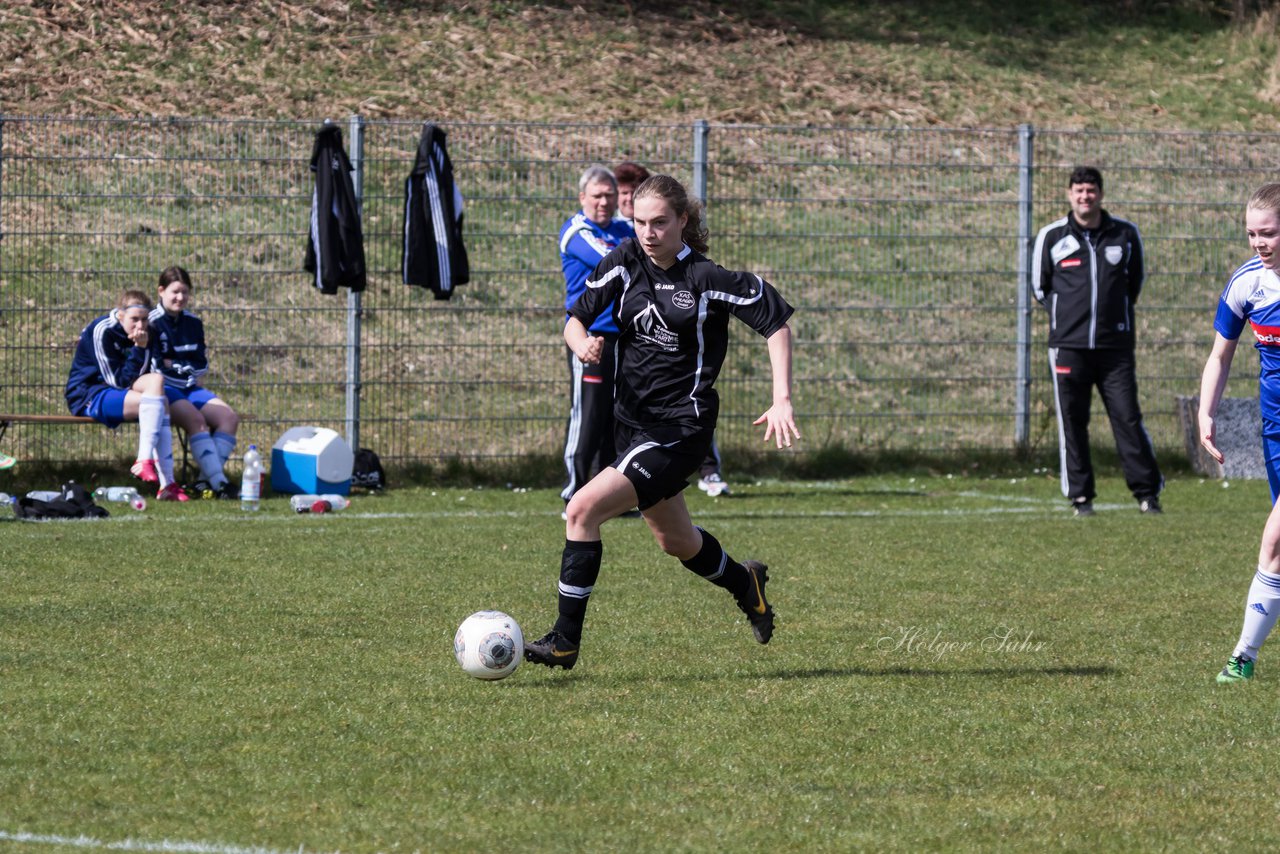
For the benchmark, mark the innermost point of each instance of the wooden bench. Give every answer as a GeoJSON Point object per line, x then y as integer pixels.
{"type": "Point", "coordinates": [7, 418]}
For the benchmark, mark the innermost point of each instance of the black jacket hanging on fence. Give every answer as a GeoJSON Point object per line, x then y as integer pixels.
{"type": "Point", "coordinates": [433, 255]}
{"type": "Point", "coordinates": [335, 243]}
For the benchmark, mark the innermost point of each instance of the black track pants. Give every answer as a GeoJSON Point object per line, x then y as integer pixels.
{"type": "Point", "coordinates": [588, 444]}
{"type": "Point", "coordinates": [1075, 374]}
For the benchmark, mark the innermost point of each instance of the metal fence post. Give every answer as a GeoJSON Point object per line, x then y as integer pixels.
{"type": "Point", "coordinates": [1022, 403]}
{"type": "Point", "coordinates": [1, 181]}
{"type": "Point", "coordinates": [701, 130]}
{"type": "Point", "coordinates": [353, 297]}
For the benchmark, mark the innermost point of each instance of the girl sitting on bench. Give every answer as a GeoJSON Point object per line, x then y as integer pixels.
{"type": "Point", "coordinates": [113, 380]}
{"type": "Point", "coordinates": [210, 423]}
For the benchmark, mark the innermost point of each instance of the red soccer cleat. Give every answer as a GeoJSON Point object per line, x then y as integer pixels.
{"type": "Point", "coordinates": [172, 492]}
{"type": "Point", "coordinates": [145, 471]}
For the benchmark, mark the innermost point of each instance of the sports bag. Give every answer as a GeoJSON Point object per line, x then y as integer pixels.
{"type": "Point", "coordinates": [366, 472]}
{"type": "Point", "coordinates": [74, 503]}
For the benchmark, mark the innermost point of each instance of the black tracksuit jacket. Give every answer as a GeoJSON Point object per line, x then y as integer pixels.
{"type": "Point", "coordinates": [335, 240]}
{"type": "Point", "coordinates": [1089, 283]}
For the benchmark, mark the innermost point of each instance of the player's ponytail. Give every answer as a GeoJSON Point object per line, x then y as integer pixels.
{"type": "Point", "coordinates": [673, 192]}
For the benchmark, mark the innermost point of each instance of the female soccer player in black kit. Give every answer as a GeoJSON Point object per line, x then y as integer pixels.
{"type": "Point", "coordinates": [672, 306]}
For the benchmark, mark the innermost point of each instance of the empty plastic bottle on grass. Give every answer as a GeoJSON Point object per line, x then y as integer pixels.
{"type": "Point", "coordinates": [44, 494]}
{"type": "Point", "coordinates": [121, 493]}
{"type": "Point", "coordinates": [251, 480]}
{"type": "Point", "coordinates": [7, 500]}
{"type": "Point", "coordinates": [318, 503]}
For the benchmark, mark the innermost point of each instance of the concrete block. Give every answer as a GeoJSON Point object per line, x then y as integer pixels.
{"type": "Point", "coordinates": [1239, 437]}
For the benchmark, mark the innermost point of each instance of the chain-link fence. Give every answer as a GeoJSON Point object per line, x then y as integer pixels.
{"type": "Point", "coordinates": [901, 249]}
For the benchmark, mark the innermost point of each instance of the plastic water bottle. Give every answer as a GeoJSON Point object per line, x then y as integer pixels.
{"type": "Point", "coordinates": [45, 494]}
{"type": "Point", "coordinates": [10, 501]}
{"type": "Point", "coordinates": [251, 480]}
{"type": "Point", "coordinates": [318, 503]}
{"type": "Point", "coordinates": [121, 493]}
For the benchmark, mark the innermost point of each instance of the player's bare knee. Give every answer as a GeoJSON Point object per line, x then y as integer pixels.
{"type": "Point", "coordinates": [581, 514]}
{"type": "Point", "coordinates": [227, 421]}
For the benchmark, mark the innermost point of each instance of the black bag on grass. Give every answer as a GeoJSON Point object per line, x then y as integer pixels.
{"type": "Point", "coordinates": [74, 503]}
{"type": "Point", "coordinates": [367, 471]}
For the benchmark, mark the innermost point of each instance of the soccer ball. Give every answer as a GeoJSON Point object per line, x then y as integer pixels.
{"type": "Point", "coordinates": [489, 645]}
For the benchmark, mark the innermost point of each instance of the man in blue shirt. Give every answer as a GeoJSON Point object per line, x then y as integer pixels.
{"type": "Point", "coordinates": [585, 238]}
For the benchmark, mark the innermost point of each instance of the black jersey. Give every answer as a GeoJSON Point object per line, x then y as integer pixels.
{"type": "Point", "coordinates": [674, 330]}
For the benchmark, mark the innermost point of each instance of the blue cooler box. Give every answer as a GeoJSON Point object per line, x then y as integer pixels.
{"type": "Point", "coordinates": [311, 460]}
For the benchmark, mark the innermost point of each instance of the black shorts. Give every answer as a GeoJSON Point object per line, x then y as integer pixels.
{"type": "Point", "coordinates": [659, 460]}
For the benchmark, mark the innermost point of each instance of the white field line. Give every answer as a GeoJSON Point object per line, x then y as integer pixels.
{"type": "Point", "coordinates": [1024, 505]}
{"type": "Point", "coordinates": [166, 846]}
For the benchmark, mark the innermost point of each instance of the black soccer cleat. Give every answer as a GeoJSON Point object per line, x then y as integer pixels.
{"type": "Point", "coordinates": [552, 649]}
{"type": "Point", "coordinates": [757, 608]}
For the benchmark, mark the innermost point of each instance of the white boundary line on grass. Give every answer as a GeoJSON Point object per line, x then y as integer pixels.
{"type": "Point", "coordinates": [1046, 507]}
{"type": "Point", "coordinates": [167, 846]}
{"type": "Point", "coordinates": [1021, 505]}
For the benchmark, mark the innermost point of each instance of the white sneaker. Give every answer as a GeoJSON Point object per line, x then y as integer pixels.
{"type": "Point", "coordinates": [712, 485]}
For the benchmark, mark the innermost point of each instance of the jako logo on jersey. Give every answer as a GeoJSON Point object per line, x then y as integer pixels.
{"type": "Point", "coordinates": [1071, 262]}
{"type": "Point", "coordinates": [1269, 335]}
{"type": "Point", "coordinates": [683, 299]}
{"type": "Point", "coordinates": [1257, 606]}
{"type": "Point", "coordinates": [641, 469]}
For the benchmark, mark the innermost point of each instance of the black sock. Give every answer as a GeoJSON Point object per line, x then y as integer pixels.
{"type": "Point", "coordinates": [713, 563]}
{"type": "Point", "coordinates": [579, 568]}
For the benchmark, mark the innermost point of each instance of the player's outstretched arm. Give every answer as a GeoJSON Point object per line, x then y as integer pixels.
{"type": "Point", "coordinates": [1212, 383]}
{"type": "Point", "coordinates": [780, 419]}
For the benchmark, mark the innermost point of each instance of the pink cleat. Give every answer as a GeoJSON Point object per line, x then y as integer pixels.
{"type": "Point", "coordinates": [172, 492]}
{"type": "Point", "coordinates": [145, 471]}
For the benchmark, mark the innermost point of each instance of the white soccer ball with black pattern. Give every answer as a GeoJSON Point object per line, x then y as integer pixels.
{"type": "Point", "coordinates": [489, 645]}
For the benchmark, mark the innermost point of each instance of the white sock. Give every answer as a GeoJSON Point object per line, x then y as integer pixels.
{"type": "Point", "coordinates": [151, 413]}
{"type": "Point", "coordinates": [1262, 607]}
{"type": "Point", "coordinates": [164, 452]}
{"type": "Point", "coordinates": [225, 443]}
{"type": "Point", "coordinates": [206, 454]}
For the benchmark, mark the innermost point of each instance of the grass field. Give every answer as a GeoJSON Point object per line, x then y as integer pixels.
{"type": "Point", "coordinates": [959, 664]}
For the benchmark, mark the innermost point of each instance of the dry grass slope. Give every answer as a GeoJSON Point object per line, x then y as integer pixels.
{"type": "Point", "coordinates": [1180, 64]}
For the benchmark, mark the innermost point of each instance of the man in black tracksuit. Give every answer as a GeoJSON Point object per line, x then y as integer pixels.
{"type": "Point", "coordinates": [1087, 270]}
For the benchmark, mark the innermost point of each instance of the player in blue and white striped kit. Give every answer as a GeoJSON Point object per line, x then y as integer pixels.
{"type": "Point", "coordinates": [1252, 299]}
{"type": "Point", "coordinates": [112, 381]}
{"type": "Point", "coordinates": [210, 423]}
